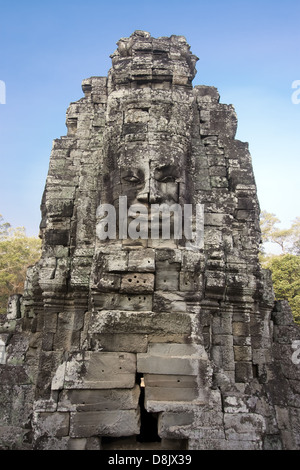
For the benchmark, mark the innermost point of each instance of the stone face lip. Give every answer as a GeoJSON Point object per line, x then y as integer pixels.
{"type": "Point", "coordinates": [139, 342]}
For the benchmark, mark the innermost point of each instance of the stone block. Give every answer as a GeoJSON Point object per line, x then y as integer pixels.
{"type": "Point", "coordinates": [141, 260]}
{"type": "Point", "coordinates": [243, 341]}
{"type": "Point", "coordinates": [49, 361]}
{"type": "Point", "coordinates": [212, 236]}
{"type": "Point", "coordinates": [135, 302]}
{"type": "Point", "coordinates": [77, 444]}
{"type": "Point", "coordinates": [167, 280]}
{"type": "Point", "coordinates": [214, 219]}
{"type": "Point", "coordinates": [223, 356]}
{"type": "Point", "coordinates": [234, 404]}
{"type": "Point", "coordinates": [160, 244]}
{"type": "Point", "coordinates": [242, 353]}
{"type": "Point", "coordinates": [117, 368]}
{"type": "Point", "coordinates": [80, 273]}
{"type": "Point", "coordinates": [54, 424]}
{"type": "Point", "coordinates": [165, 258]}
{"type": "Point", "coordinates": [244, 426]}
{"type": "Point", "coordinates": [157, 394]}
{"type": "Point", "coordinates": [107, 282]}
{"type": "Point", "coordinates": [114, 423]}
{"type": "Point", "coordinates": [218, 170]}
{"type": "Point", "coordinates": [168, 302]}
{"type": "Point", "coordinates": [97, 370]}
{"type": "Point", "coordinates": [166, 395]}
{"type": "Point", "coordinates": [214, 444]}
{"type": "Point", "coordinates": [190, 282]}
{"type": "Point", "coordinates": [170, 387]}
{"type": "Point", "coordinates": [243, 372]}
{"type": "Point", "coordinates": [148, 322]}
{"type": "Point", "coordinates": [192, 261]}
{"type": "Point", "coordinates": [215, 281]}
{"type": "Point", "coordinates": [137, 282]}
{"type": "Point", "coordinates": [116, 262]}
{"type": "Point", "coordinates": [128, 342]}
{"type": "Point", "coordinates": [51, 443]}
{"type": "Point", "coordinates": [99, 400]}
{"type": "Point", "coordinates": [177, 350]}
{"type": "Point", "coordinates": [215, 284]}
{"type": "Point", "coordinates": [62, 339]}
{"type": "Point", "coordinates": [221, 323]}
{"type": "Point", "coordinates": [166, 365]}
{"type": "Point", "coordinates": [219, 182]}
{"type": "Point", "coordinates": [175, 424]}
{"type": "Point", "coordinates": [50, 322]}
{"type": "Point", "coordinates": [170, 381]}
{"type": "Point", "coordinates": [57, 237]}
{"type": "Point", "coordinates": [90, 443]}
{"type": "Point", "coordinates": [240, 329]}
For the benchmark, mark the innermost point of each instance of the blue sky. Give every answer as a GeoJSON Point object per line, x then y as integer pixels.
{"type": "Point", "coordinates": [249, 50]}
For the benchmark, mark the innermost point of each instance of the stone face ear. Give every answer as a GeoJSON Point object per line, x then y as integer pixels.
{"type": "Point", "coordinates": [149, 342]}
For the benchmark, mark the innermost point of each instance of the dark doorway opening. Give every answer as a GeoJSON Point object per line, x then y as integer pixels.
{"type": "Point", "coordinates": [148, 439]}
{"type": "Point", "coordinates": [149, 425]}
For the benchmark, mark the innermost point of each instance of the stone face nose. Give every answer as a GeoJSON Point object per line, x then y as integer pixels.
{"type": "Point", "coordinates": [155, 196]}
{"type": "Point", "coordinates": [143, 197]}
{"type": "Point", "coordinates": [150, 193]}
{"type": "Point", "coordinates": [143, 194]}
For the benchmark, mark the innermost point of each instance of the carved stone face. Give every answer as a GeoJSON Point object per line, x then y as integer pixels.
{"type": "Point", "coordinates": [150, 184]}
{"type": "Point", "coordinates": [146, 183]}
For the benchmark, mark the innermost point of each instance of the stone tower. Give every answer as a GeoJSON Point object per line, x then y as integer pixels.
{"type": "Point", "coordinates": [136, 341]}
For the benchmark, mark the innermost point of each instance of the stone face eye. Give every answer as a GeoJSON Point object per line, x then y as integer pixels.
{"type": "Point", "coordinates": [132, 179]}
{"type": "Point", "coordinates": [167, 179]}
{"type": "Point", "coordinates": [167, 174]}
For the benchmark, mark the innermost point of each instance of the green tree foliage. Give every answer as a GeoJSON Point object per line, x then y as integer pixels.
{"type": "Point", "coordinates": [286, 280]}
{"type": "Point", "coordinates": [285, 267]}
{"type": "Point", "coordinates": [296, 236]}
{"type": "Point", "coordinates": [17, 252]}
{"type": "Point", "coordinates": [287, 239]}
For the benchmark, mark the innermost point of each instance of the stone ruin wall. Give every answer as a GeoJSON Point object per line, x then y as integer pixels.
{"type": "Point", "coordinates": [198, 327]}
